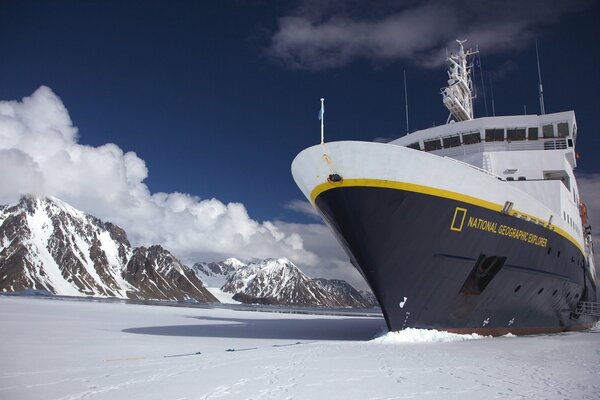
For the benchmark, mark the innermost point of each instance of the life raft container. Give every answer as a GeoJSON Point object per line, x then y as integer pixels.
{"type": "Point", "coordinates": [583, 212]}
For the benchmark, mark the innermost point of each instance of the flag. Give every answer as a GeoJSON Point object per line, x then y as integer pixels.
{"type": "Point", "coordinates": [322, 111]}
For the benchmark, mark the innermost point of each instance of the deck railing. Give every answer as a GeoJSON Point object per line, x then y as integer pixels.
{"type": "Point", "coordinates": [588, 308]}
{"type": "Point", "coordinates": [519, 145]}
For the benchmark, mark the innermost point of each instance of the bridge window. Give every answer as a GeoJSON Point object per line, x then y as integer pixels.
{"type": "Point", "coordinates": [470, 138]}
{"type": "Point", "coordinates": [563, 129]}
{"type": "Point", "coordinates": [515, 134]}
{"type": "Point", "coordinates": [415, 146]}
{"type": "Point", "coordinates": [494, 135]}
{"type": "Point", "coordinates": [548, 131]}
{"type": "Point", "coordinates": [431, 145]}
{"type": "Point", "coordinates": [532, 133]}
{"type": "Point", "coordinates": [451, 141]}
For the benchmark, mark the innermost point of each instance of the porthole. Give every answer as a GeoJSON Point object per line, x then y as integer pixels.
{"type": "Point", "coordinates": [517, 288]}
{"type": "Point", "coordinates": [558, 254]}
{"type": "Point", "coordinates": [540, 291]}
{"type": "Point", "coordinates": [577, 296]}
{"type": "Point", "coordinates": [549, 250]}
{"type": "Point", "coordinates": [554, 293]}
{"type": "Point", "coordinates": [568, 294]}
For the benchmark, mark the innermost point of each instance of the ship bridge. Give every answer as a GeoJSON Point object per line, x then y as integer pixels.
{"type": "Point", "coordinates": [470, 141]}
{"type": "Point", "coordinates": [535, 153]}
{"type": "Point", "coordinates": [556, 131]}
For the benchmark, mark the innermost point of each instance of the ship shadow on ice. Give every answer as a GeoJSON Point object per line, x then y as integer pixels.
{"type": "Point", "coordinates": [353, 329]}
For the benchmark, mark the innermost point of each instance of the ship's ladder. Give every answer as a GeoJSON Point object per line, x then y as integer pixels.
{"type": "Point", "coordinates": [588, 308]}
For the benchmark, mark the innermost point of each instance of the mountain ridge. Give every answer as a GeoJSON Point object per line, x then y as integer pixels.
{"type": "Point", "coordinates": [48, 246]}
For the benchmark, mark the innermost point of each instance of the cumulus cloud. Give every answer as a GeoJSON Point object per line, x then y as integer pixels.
{"type": "Point", "coordinates": [303, 207]}
{"type": "Point", "coordinates": [320, 35]}
{"type": "Point", "coordinates": [40, 154]}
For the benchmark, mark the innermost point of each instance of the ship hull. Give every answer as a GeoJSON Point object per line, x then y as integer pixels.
{"type": "Point", "coordinates": [436, 258]}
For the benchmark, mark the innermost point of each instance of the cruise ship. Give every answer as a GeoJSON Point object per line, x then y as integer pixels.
{"type": "Point", "coordinates": [475, 226]}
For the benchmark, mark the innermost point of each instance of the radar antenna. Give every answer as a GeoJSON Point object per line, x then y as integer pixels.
{"type": "Point", "coordinates": [458, 95]}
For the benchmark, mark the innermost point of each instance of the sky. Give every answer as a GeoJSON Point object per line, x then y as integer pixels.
{"type": "Point", "coordinates": [179, 120]}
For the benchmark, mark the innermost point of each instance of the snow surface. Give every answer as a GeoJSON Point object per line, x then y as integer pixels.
{"type": "Point", "coordinates": [42, 228]}
{"type": "Point", "coordinates": [74, 349]}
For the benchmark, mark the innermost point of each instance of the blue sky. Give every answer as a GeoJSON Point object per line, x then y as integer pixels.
{"type": "Point", "coordinates": [218, 97]}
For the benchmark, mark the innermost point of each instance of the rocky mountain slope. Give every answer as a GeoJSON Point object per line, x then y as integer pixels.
{"type": "Point", "coordinates": [276, 281]}
{"type": "Point", "coordinates": [45, 244]}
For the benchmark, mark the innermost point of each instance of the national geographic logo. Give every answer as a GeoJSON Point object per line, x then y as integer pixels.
{"type": "Point", "coordinates": [458, 219]}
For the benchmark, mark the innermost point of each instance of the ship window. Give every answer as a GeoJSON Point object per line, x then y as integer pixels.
{"type": "Point", "coordinates": [494, 135]}
{"type": "Point", "coordinates": [532, 133]}
{"type": "Point", "coordinates": [483, 272]}
{"type": "Point", "coordinates": [570, 142]}
{"type": "Point", "coordinates": [521, 178]}
{"type": "Point", "coordinates": [563, 129]}
{"type": "Point", "coordinates": [548, 131]}
{"type": "Point", "coordinates": [515, 134]}
{"type": "Point", "coordinates": [415, 146]}
{"type": "Point", "coordinates": [451, 141]}
{"type": "Point", "coordinates": [470, 138]}
{"type": "Point", "coordinates": [431, 145]}
{"type": "Point", "coordinates": [510, 178]}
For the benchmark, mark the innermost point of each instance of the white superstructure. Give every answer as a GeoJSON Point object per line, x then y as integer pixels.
{"type": "Point", "coordinates": [533, 153]}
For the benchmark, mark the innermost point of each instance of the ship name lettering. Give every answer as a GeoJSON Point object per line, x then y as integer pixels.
{"type": "Point", "coordinates": [505, 230]}
{"type": "Point", "coordinates": [482, 224]}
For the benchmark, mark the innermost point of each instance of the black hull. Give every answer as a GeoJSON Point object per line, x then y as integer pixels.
{"type": "Point", "coordinates": [435, 262]}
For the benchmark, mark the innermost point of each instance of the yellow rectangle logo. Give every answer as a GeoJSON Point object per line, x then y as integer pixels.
{"type": "Point", "coordinates": [459, 219]}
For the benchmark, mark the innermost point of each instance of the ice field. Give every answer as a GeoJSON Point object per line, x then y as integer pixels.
{"type": "Point", "coordinates": [63, 349]}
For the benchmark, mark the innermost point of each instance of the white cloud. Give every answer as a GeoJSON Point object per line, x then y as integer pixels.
{"type": "Point", "coordinates": [40, 154]}
{"type": "Point", "coordinates": [327, 34]}
{"type": "Point", "coordinates": [303, 207]}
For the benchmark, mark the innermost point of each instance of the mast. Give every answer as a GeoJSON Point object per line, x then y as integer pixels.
{"type": "Point", "coordinates": [406, 101]}
{"type": "Point", "coordinates": [537, 56]}
{"type": "Point", "coordinates": [458, 95]}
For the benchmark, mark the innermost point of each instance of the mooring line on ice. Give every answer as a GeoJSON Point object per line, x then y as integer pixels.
{"type": "Point", "coordinates": [183, 355]}
{"type": "Point", "coordinates": [287, 344]}
{"type": "Point", "coordinates": [292, 344]}
{"type": "Point", "coordinates": [249, 348]}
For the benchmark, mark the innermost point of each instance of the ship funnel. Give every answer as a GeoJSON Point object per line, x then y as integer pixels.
{"type": "Point", "coordinates": [458, 95]}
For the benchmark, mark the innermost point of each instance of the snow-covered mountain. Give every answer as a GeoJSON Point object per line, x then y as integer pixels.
{"type": "Point", "coordinates": [279, 281]}
{"type": "Point", "coordinates": [45, 244]}
{"type": "Point", "coordinates": [215, 274]}
{"type": "Point", "coordinates": [347, 296]}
